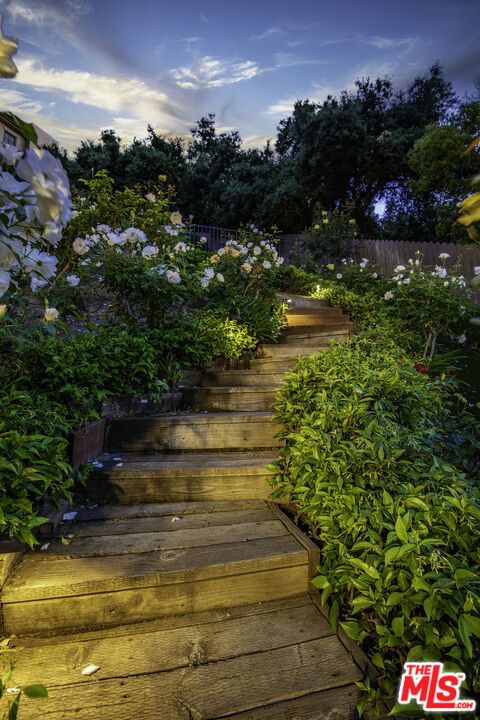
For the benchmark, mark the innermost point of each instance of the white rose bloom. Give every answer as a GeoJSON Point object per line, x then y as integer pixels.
{"type": "Point", "coordinates": [221, 252]}
{"type": "Point", "coordinates": [73, 280]}
{"type": "Point", "coordinates": [339, 276]}
{"type": "Point", "coordinates": [4, 282]}
{"type": "Point", "coordinates": [375, 275]}
{"type": "Point", "coordinates": [80, 246]}
{"type": "Point", "coordinates": [204, 282]}
{"type": "Point", "coordinates": [209, 273]}
{"type": "Point", "coordinates": [37, 283]}
{"type": "Point", "coordinates": [388, 295]}
{"type": "Point", "coordinates": [220, 277]}
{"type": "Point", "coordinates": [50, 314]}
{"type": "Point", "coordinates": [476, 269]}
{"type": "Point", "coordinates": [9, 154]}
{"type": "Point", "coordinates": [441, 272]}
{"type": "Point", "coordinates": [280, 261]}
{"type": "Point", "coordinates": [446, 283]}
{"type": "Point", "coordinates": [256, 251]}
{"type": "Point", "coordinates": [134, 235]}
{"type": "Point", "coordinates": [8, 48]}
{"type": "Point", "coordinates": [444, 256]}
{"type": "Point", "coordinates": [173, 277]}
{"type": "Point", "coordinates": [112, 239]}
{"type": "Point", "coordinates": [11, 252]}
{"type": "Point", "coordinates": [246, 267]}
{"type": "Point", "coordinates": [149, 251]}
{"type": "Point", "coordinates": [267, 264]}
{"type": "Point", "coordinates": [150, 197]}
{"type": "Point", "coordinates": [406, 281]}
{"type": "Point", "coordinates": [256, 230]}
{"type": "Point", "coordinates": [103, 228]}
{"type": "Point", "coordinates": [12, 186]}
{"type": "Point", "coordinates": [203, 239]}
{"type": "Point", "coordinates": [399, 269]}
{"type": "Point", "coordinates": [49, 182]}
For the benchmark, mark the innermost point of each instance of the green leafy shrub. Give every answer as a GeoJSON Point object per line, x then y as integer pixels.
{"type": "Point", "coordinates": [397, 522]}
{"type": "Point", "coordinates": [297, 280]}
{"type": "Point", "coordinates": [31, 468]}
{"type": "Point", "coordinates": [332, 233]}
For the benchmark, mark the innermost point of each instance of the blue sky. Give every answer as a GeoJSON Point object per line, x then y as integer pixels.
{"type": "Point", "coordinates": [85, 65]}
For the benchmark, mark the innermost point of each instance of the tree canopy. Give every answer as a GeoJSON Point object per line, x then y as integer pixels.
{"type": "Point", "coordinates": [367, 144]}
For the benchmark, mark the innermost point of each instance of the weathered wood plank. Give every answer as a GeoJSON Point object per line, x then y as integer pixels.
{"type": "Point", "coordinates": [169, 622]}
{"type": "Point", "coordinates": [140, 652]}
{"type": "Point", "coordinates": [208, 691]}
{"type": "Point", "coordinates": [194, 431]}
{"type": "Point", "coordinates": [165, 523]}
{"type": "Point", "coordinates": [231, 399]}
{"type": "Point", "coordinates": [41, 577]}
{"type": "Point", "coordinates": [147, 542]}
{"type": "Point", "coordinates": [151, 510]}
{"type": "Point", "coordinates": [132, 606]}
{"type": "Point", "coordinates": [337, 704]}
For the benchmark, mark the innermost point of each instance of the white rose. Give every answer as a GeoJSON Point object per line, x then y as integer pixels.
{"type": "Point", "coordinates": [399, 269]}
{"type": "Point", "coordinates": [80, 246]}
{"type": "Point", "coordinates": [173, 277]}
{"type": "Point", "coordinates": [9, 153]}
{"type": "Point", "coordinates": [149, 251]}
{"type": "Point", "coordinates": [50, 314]}
{"type": "Point", "coordinates": [150, 197]}
{"type": "Point", "coordinates": [444, 256]}
{"type": "Point", "coordinates": [388, 295]}
{"type": "Point", "coordinates": [209, 273]}
{"type": "Point", "coordinates": [256, 250]}
{"type": "Point", "coordinates": [220, 277]}
{"type": "Point", "coordinates": [73, 280]}
{"type": "Point", "coordinates": [246, 267]}
{"type": "Point", "coordinates": [267, 264]}
{"type": "Point", "coordinates": [37, 283]}
{"type": "Point", "coordinates": [4, 282]}
{"type": "Point", "coordinates": [339, 276]}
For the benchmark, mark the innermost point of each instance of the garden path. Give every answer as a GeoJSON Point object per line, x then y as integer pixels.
{"type": "Point", "coordinates": [185, 588]}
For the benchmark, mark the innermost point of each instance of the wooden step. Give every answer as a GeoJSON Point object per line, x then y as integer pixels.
{"type": "Point", "coordinates": [326, 331]}
{"type": "Point", "coordinates": [302, 301]}
{"type": "Point", "coordinates": [314, 317]}
{"type": "Point", "coordinates": [193, 431]}
{"type": "Point", "coordinates": [281, 350]}
{"type": "Point", "coordinates": [187, 476]}
{"type": "Point", "coordinates": [224, 399]}
{"type": "Point", "coordinates": [242, 378]}
{"type": "Point", "coordinates": [304, 336]}
{"type": "Point", "coordinates": [110, 579]}
{"type": "Point", "coordinates": [279, 659]}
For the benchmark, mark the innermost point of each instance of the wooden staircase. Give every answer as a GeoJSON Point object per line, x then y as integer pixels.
{"type": "Point", "coordinates": [185, 587]}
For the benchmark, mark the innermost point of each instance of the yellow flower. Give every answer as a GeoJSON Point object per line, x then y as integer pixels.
{"type": "Point", "coordinates": [214, 259]}
{"type": "Point", "coordinates": [325, 221]}
{"type": "Point", "coordinates": [162, 178]}
{"type": "Point", "coordinates": [316, 226]}
{"type": "Point", "coordinates": [324, 213]}
{"type": "Point", "coordinates": [176, 218]}
{"type": "Point", "coordinates": [3, 311]}
{"type": "Point", "coordinates": [330, 266]}
{"type": "Point", "coordinates": [352, 222]}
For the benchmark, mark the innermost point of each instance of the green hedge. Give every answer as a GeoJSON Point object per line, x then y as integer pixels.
{"type": "Point", "coordinates": [367, 463]}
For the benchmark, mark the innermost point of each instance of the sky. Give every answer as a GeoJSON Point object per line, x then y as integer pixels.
{"type": "Point", "coordinates": [87, 65]}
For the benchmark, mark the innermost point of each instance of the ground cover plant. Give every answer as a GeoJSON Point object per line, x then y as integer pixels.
{"type": "Point", "coordinates": [382, 465]}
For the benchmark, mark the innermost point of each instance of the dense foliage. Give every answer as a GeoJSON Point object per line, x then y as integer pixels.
{"type": "Point", "coordinates": [382, 462]}
{"type": "Point", "coordinates": [370, 143]}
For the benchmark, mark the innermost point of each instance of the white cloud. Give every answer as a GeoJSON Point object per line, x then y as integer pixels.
{"type": "Point", "coordinates": [255, 141]}
{"type": "Point", "coordinates": [210, 72]}
{"type": "Point", "coordinates": [282, 107]}
{"type": "Point", "coordinates": [116, 94]}
{"type": "Point", "coordinates": [283, 59]}
{"type": "Point", "coordinates": [274, 31]}
{"type": "Point", "coordinates": [388, 43]}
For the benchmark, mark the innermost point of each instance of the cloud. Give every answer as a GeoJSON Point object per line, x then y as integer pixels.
{"type": "Point", "coordinates": [282, 107]}
{"type": "Point", "coordinates": [387, 43]}
{"type": "Point", "coordinates": [318, 94]}
{"type": "Point", "coordinates": [255, 141]}
{"type": "Point", "coordinates": [210, 72]}
{"type": "Point", "coordinates": [105, 92]}
{"type": "Point", "coordinates": [271, 32]}
{"type": "Point", "coordinates": [283, 59]}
